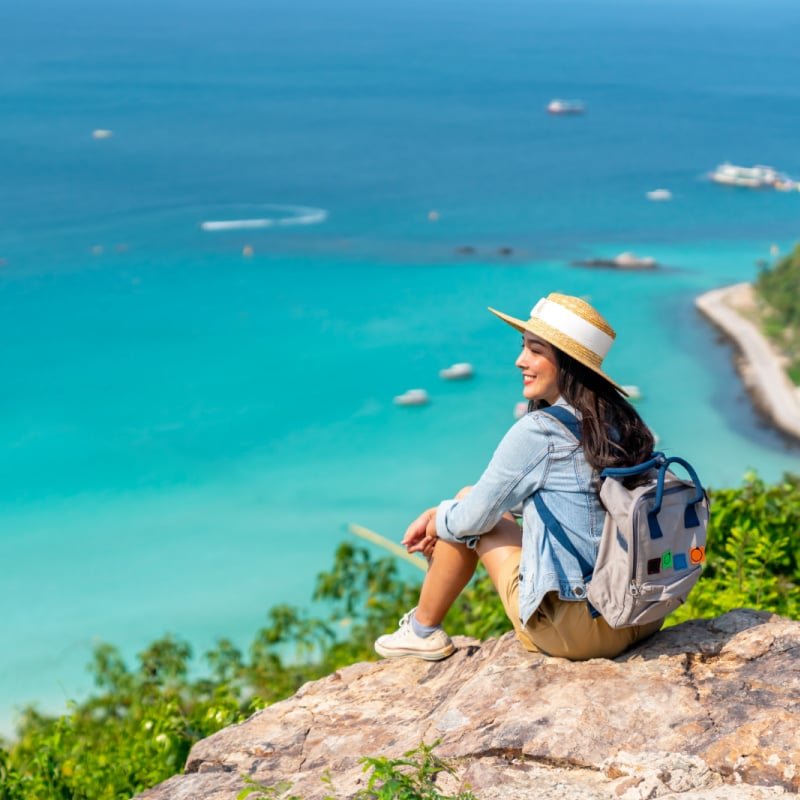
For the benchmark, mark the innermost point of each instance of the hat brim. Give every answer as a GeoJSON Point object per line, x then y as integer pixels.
{"type": "Point", "coordinates": [551, 336]}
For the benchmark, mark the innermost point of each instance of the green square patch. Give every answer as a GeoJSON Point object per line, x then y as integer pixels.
{"type": "Point", "coordinates": [666, 560]}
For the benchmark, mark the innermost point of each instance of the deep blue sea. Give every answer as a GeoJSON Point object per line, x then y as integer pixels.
{"type": "Point", "coordinates": [190, 418]}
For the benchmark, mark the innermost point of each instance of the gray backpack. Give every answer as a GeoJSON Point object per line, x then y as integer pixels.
{"type": "Point", "coordinates": [653, 542]}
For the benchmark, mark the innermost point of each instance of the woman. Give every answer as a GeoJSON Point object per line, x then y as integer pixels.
{"type": "Point", "coordinates": [540, 582]}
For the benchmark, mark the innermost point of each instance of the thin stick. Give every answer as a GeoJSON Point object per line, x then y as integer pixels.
{"type": "Point", "coordinates": [386, 544]}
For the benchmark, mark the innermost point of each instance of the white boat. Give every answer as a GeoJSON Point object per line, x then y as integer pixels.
{"type": "Point", "coordinates": [757, 177]}
{"type": "Point", "coordinates": [630, 260]}
{"type": "Point", "coordinates": [659, 195]}
{"type": "Point", "coordinates": [520, 409]}
{"type": "Point", "coordinates": [457, 372]}
{"type": "Point", "coordinates": [412, 397]}
{"type": "Point", "coordinates": [566, 107]}
{"type": "Point", "coordinates": [102, 133]}
{"type": "Point", "coordinates": [633, 392]}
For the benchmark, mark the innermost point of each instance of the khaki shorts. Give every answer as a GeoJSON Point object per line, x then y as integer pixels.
{"type": "Point", "coordinates": [564, 628]}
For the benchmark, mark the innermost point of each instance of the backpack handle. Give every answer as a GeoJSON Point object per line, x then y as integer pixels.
{"type": "Point", "coordinates": [698, 495]}
{"type": "Point", "coordinates": [637, 469]}
{"type": "Point", "coordinates": [661, 462]}
{"type": "Point", "coordinates": [690, 518]}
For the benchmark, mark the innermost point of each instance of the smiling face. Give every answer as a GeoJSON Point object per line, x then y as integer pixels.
{"type": "Point", "coordinates": [537, 361]}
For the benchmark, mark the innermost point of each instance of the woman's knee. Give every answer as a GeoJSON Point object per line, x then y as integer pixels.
{"type": "Point", "coordinates": [455, 554]}
{"type": "Point", "coordinates": [504, 541]}
{"type": "Point", "coordinates": [505, 534]}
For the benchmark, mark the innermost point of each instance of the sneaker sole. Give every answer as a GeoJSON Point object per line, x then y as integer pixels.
{"type": "Point", "coordinates": [427, 655]}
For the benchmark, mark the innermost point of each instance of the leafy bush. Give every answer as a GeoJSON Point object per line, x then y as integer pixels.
{"type": "Point", "coordinates": [412, 777]}
{"type": "Point", "coordinates": [134, 732]}
{"type": "Point", "coordinates": [752, 553]}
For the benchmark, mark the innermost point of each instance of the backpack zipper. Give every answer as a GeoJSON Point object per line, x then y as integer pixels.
{"type": "Point", "coordinates": [634, 587]}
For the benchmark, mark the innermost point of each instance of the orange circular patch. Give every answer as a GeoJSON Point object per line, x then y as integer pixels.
{"type": "Point", "coordinates": [697, 555]}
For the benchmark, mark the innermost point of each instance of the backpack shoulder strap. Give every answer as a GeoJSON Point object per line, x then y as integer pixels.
{"type": "Point", "coordinates": [551, 524]}
{"type": "Point", "coordinates": [566, 418]}
{"type": "Point", "coordinates": [555, 529]}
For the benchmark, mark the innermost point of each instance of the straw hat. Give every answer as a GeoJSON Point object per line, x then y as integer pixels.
{"type": "Point", "coordinates": [571, 325]}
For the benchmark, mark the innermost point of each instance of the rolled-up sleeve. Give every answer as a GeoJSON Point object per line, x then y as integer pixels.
{"type": "Point", "coordinates": [514, 473]}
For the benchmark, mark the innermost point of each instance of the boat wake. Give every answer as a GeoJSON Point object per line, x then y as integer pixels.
{"type": "Point", "coordinates": [285, 216]}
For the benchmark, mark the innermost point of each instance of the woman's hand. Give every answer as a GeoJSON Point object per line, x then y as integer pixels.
{"type": "Point", "coordinates": [420, 536]}
{"type": "Point", "coordinates": [428, 544]}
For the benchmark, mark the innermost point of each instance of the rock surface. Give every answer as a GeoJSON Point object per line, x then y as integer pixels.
{"type": "Point", "coordinates": [708, 709]}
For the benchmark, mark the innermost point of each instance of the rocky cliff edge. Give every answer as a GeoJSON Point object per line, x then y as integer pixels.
{"type": "Point", "coordinates": [708, 709]}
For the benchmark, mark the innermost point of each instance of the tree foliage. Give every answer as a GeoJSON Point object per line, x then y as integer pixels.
{"type": "Point", "coordinates": [137, 727]}
{"type": "Point", "coordinates": [779, 290]}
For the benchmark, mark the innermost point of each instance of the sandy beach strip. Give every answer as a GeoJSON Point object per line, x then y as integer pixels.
{"type": "Point", "coordinates": [760, 365]}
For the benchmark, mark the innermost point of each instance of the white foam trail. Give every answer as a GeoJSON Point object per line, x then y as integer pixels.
{"type": "Point", "coordinates": [299, 215]}
{"type": "Point", "coordinates": [310, 217]}
{"type": "Point", "coordinates": [236, 224]}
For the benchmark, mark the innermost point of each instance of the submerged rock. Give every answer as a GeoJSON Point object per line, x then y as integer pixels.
{"type": "Point", "coordinates": [623, 261]}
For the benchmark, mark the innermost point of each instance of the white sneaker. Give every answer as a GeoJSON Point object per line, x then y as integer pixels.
{"type": "Point", "coordinates": [404, 642]}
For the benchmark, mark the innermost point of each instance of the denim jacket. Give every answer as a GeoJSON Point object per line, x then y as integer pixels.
{"type": "Point", "coordinates": [537, 454]}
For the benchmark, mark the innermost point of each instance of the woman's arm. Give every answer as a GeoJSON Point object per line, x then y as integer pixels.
{"type": "Point", "coordinates": [514, 473]}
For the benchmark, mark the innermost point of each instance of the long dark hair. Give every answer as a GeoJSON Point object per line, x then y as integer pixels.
{"type": "Point", "coordinates": [614, 435]}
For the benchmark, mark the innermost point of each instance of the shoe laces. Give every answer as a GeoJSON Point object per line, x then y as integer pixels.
{"type": "Point", "coordinates": [405, 620]}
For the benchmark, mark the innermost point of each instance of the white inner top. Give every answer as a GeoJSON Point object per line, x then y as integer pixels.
{"type": "Point", "coordinates": [570, 324]}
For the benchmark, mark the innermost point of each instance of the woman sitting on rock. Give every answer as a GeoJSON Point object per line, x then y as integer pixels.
{"type": "Point", "coordinates": [540, 582]}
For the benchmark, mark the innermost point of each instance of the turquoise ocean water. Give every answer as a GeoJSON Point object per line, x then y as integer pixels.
{"type": "Point", "coordinates": [186, 430]}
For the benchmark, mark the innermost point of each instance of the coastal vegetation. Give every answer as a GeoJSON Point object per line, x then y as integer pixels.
{"type": "Point", "coordinates": [778, 289]}
{"type": "Point", "coordinates": [137, 726]}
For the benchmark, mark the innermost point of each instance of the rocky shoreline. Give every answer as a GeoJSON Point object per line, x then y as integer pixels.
{"type": "Point", "coordinates": [759, 364]}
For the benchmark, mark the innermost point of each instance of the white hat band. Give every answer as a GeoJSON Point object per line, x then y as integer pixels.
{"type": "Point", "coordinates": [570, 324]}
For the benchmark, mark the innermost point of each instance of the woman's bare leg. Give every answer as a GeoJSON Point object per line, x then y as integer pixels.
{"type": "Point", "coordinates": [451, 567]}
